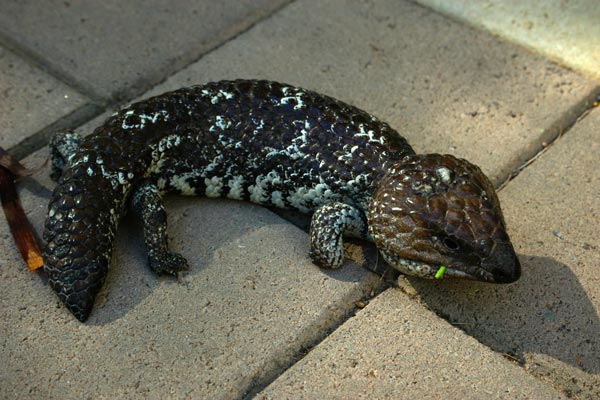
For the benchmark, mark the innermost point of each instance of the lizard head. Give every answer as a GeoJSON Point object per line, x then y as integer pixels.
{"type": "Point", "coordinates": [437, 210]}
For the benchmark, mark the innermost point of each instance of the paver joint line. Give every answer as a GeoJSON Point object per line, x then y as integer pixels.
{"type": "Point", "coordinates": [111, 91]}
{"type": "Point", "coordinates": [586, 106]}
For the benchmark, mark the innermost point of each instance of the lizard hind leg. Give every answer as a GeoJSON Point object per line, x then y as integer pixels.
{"type": "Point", "coordinates": [329, 224]}
{"type": "Point", "coordinates": [146, 203]}
{"type": "Point", "coordinates": [62, 146]}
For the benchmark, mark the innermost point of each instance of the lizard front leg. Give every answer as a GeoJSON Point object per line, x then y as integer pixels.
{"type": "Point", "coordinates": [146, 203]}
{"type": "Point", "coordinates": [328, 225]}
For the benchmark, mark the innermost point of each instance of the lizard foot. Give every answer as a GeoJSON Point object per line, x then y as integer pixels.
{"type": "Point", "coordinates": [168, 263]}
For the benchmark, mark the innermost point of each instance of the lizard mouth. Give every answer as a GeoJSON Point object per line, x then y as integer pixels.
{"type": "Point", "coordinates": [425, 270]}
{"type": "Point", "coordinates": [500, 266]}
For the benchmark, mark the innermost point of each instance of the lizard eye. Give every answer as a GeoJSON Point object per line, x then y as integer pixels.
{"type": "Point", "coordinates": [450, 243]}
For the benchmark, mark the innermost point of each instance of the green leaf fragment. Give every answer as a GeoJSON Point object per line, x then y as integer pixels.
{"type": "Point", "coordinates": [440, 272]}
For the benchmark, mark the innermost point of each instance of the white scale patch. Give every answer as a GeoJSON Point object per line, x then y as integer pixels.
{"type": "Point", "coordinates": [356, 184]}
{"type": "Point", "coordinates": [293, 150]}
{"type": "Point", "coordinates": [168, 142]}
{"type": "Point", "coordinates": [236, 187]}
{"type": "Point", "coordinates": [221, 123]}
{"type": "Point", "coordinates": [444, 174]}
{"type": "Point", "coordinates": [305, 199]}
{"type": "Point", "coordinates": [214, 163]}
{"type": "Point", "coordinates": [354, 225]}
{"type": "Point", "coordinates": [294, 95]}
{"type": "Point", "coordinates": [259, 127]}
{"type": "Point", "coordinates": [82, 160]}
{"type": "Point", "coordinates": [409, 267]}
{"type": "Point", "coordinates": [277, 199]}
{"type": "Point", "coordinates": [158, 156]}
{"type": "Point", "coordinates": [180, 182]}
{"type": "Point", "coordinates": [298, 100]}
{"type": "Point", "coordinates": [259, 192]}
{"type": "Point", "coordinates": [218, 96]}
{"type": "Point", "coordinates": [370, 134]}
{"type": "Point", "coordinates": [116, 178]}
{"type": "Point", "coordinates": [214, 186]}
{"type": "Point", "coordinates": [298, 199]}
{"type": "Point", "coordinates": [143, 119]}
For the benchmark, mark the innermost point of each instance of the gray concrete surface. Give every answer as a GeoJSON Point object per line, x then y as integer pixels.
{"type": "Point", "coordinates": [564, 30]}
{"type": "Point", "coordinates": [30, 99]}
{"type": "Point", "coordinates": [115, 49]}
{"type": "Point", "coordinates": [253, 303]}
{"type": "Point", "coordinates": [396, 348]}
{"type": "Point", "coordinates": [549, 318]}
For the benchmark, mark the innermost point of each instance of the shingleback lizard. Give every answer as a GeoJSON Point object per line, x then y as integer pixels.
{"type": "Point", "coordinates": [276, 145]}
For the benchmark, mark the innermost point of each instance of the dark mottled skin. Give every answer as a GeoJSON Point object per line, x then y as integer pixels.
{"type": "Point", "coordinates": [276, 145]}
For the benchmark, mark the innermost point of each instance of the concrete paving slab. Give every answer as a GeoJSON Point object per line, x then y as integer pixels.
{"type": "Point", "coordinates": [250, 305]}
{"type": "Point", "coordinates": [446, 87]}
{"type": "Point", "coordinates": [566, 31]}
{"type": "Point", "coordinates": [30, 99]}
{"type": "Point", "coordinates": [550, 317]}
{"type": "Point", "coordinates": [395, 348]}
{"type": "Point", "coordinates": [141, 324]}
{"type": "Point", "coordinates": [114, 49]}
